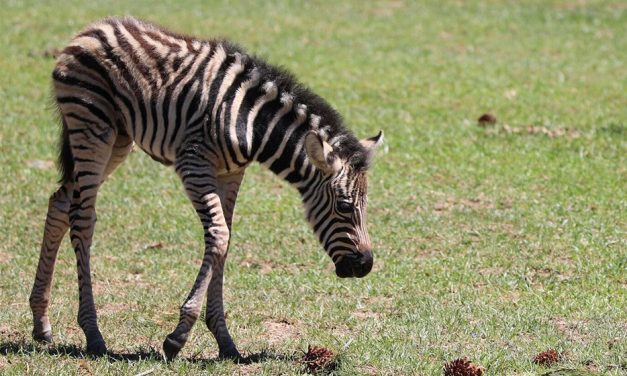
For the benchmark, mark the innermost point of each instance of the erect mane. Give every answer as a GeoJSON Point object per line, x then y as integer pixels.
{"type": "Point", "coordinates": [343, 141]}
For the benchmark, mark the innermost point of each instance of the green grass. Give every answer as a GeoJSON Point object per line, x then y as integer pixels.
{"type": "Point", "coordinates": [489, 244]}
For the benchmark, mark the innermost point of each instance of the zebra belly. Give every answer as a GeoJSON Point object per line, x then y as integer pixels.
{"type": "Point", "coordinates": [153, 149]}
{"type": "Point", "coordinates": [160, 135]}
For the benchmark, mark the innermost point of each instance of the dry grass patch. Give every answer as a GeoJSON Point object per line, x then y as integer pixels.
{"type": "Point", "coordinates": [278, 332]}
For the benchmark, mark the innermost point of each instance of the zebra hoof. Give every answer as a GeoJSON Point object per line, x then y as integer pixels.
{"type": "Point", "coordinates": [96, 347]}
{"type": "Point", "coordinates": [45, 337]}
{"type": "Point", "coordinates": [171, 348]}
{"type": "Point", "coordinates": [230, 353]}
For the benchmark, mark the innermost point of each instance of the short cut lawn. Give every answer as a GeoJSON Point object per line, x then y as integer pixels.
{"type": "Point", "coordinates": [491, 242]}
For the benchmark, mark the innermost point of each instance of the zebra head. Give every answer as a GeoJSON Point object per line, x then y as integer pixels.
{"type": "Point", "coordinates": [336, 204]}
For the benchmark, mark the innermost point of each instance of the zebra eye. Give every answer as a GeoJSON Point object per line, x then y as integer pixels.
{"type": "Point", "coordinates": [344, 207]}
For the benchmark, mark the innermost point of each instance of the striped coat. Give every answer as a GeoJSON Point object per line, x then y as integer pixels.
{"type": "Point", "coordinates": [209, 109]}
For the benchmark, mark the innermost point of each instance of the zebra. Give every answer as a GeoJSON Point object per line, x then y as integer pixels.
{"type": "Point", "coordinates": [209, 109]}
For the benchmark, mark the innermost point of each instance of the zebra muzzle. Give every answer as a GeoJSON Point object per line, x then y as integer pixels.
{"type": "Point", "coordinates": [357, 265]}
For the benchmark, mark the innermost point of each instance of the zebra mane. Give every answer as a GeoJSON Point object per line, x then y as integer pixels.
{"type": "Point", "coordinates": [332, 128]}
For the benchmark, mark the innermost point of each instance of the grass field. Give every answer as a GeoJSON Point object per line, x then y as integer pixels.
{"type": "Point", "coordinates": [493, 243]}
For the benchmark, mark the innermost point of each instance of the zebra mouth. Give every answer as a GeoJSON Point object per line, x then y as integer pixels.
{"type": "Point", "coordinates": [355, 265]}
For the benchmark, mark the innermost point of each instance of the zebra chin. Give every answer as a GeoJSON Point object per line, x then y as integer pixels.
{"type": "Point", "coordinates": [356, 265]}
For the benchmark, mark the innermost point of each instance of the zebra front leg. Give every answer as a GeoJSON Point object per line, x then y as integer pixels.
{"type": "Point", "coordinates": [214, 315]}
{"type": "Point", "coordinates": [57, 224]}
{"type": "Point", "coordinates": [198, 176]}
{"type": "Point", "coordinates": [228, 187]}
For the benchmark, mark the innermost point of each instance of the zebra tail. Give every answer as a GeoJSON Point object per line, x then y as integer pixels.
{"type": "Point", "coordinates": [66, 160]}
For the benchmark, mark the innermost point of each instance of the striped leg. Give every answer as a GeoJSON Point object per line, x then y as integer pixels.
{"type": "Point", "coordinates": [57, 224]}
{"type": "Point", "coordinates": [199, 179]}
{"type": "Point", "coordinates": [92, 149]}
{"type": "Point", "coordinates": [228, 187]}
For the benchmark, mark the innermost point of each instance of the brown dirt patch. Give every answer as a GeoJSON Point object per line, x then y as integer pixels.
{"type": "Point", "coordinates": [342, 331]}
{"type": "Point", "coordinates": [280, 331]}
{"type": "Point", "coordinates": [454, 203]}
{"type": "Point", "coordinates": [534, 130]}
{"type": "Point", "coordinates": [511, 297]}
{"type": "Point", "coordinates": [84, 369]}
{"type": "Point", "coordinates": [367, 370]}
{"type": "Point", "coordinates": [426, 247]}
{"type": "Point", "coordinates": [380, 300]}
{"type": "Point", "coordinates": [573, 330]}
{"type": "Point", "coordinates": [387, 8]}
{"type": "Point", "coordinates": [122, 283]}
{"type": "Point", "coordinates": [263, 267]}
{"type": "Point", "coordinates": [248, 369]}
{"type": "Point", "coordinates": [10, 335]}
{"type": "Point", "coordinates": [490, 271]}
{"type": "Point", "coordinates": [573, 5]}
{"type": "Point", "coordinates": [40, 164]}
{"type": "Point", "coordinates": [152, 246]}
{"type": "Point", "coordinates": [112, 308]}
{"type": "Point", "coordinates": [51, 53]}
{"type": "Point", "coordinates": [364, 315]}
{"type": "Point", "coordinates": [541, 274]}
{"type": "Point", "coordinates": [5, 257]}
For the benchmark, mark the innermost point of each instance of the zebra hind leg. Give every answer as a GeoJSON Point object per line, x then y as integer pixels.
{"type": "Point", "coordinates": [121, 148]}
{"type": "Point", "coordinates": [92, 146]}
{"type": "Point", "coordinates": [57, 224]}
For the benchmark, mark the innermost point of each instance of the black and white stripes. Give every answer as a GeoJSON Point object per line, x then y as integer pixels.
{"type": "Point", "coordinates": [209, 109]}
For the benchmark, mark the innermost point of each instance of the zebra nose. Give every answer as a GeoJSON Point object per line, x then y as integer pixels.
{"type": "Point", "coordinates": [365, 264]}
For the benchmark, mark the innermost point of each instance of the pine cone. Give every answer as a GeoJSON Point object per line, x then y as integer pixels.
{"type": "Point", "coordinates": [547, 358]}
{"type": "Point", "coordinates": [318, 358]}
{"type": "Point", "coordinates": [462, 367]}
{"type": "Point", "coordinates": [486, 119]}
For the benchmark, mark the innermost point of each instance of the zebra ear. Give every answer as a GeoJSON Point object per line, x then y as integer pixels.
{"type": "Point", "coordinates": [372, 142]}
{"type": "Point", "coordinates": [320, 153]}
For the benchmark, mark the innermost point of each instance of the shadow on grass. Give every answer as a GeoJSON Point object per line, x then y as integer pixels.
{"type": "Point", "coordinates": [23, 347]}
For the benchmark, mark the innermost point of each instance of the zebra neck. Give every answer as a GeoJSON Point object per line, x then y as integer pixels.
{"type": "Point", "coordinates": [279, 146]}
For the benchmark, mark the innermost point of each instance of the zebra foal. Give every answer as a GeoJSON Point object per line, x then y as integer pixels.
{"type": "Point", "coordinates": [208, 109]}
